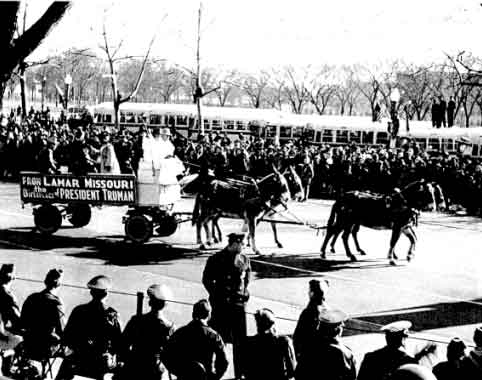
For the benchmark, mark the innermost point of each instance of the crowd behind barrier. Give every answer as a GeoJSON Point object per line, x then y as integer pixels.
{"type": "Point", "coordinates": [43, 143]}
{"type": "Point", "coordinates": [441, 367]}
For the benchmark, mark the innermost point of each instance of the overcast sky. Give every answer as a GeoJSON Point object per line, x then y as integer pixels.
{"type": "Point", "coordinates": [252, 34]}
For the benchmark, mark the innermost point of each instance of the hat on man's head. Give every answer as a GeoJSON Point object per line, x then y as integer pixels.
{"type": "Point", "coordinates": [159, 292]}
{"type": "Point", "coordinates": [166, 131]}
{"type": "Point", "coordinates": [332, 316]}
{"type": "Point", "coordinates": [264, 319]}
{"type": "Point", "coordinates": [53, 275]}
{"type": "Point", "coordinates": [399, 327]}
{"type": "Point", "coordinates": [319, 287]}
{"type": "Point", "coordinates": [7, 272]}
{"type": "Point", "coordinates": [235, 238]}
{"type": "Point", "coordinates": [100, 283]}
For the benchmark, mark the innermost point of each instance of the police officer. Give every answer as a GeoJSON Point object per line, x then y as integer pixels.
{"type": "Point", "coordinates": [268, 355]}
{"type": "Point", "coordinates": [380, 364]}
{"type": "Point", "coordinates": [304, 336]}
{"type": "Point", "coordinates": [226, 278]}
{"type": "Point", "coordinates": [329, 358]}
{"type": "Point", "coordinates": [43, 319]}
{"type": "Point", "coordinates": [93, 333]}
{"type": "Point", "coordinates": [196, 351]}
{"type": "Point", "coordinates": [145, 338]}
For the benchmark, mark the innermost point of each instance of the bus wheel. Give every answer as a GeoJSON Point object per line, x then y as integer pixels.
{"type": "Point", "coordinates": [47, 219]}
{"type": "Point", "coordinates": [138, 228]}
{"type": "Point", "coordinates": [79, 215]}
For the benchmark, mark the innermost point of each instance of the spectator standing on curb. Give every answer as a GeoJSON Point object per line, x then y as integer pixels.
{"type": "Point", "coordinates": [43, 319]}
{"type": "Point", "coordinates": [268, 355]}
{"type": "Point", "coordinates": [93, 333]}
{"type": "Point", "coordinates": [226, 278]}
{"type": "Point", "coordinates": [145, 338]}
{"type": "Point", "coordinates": [304, 335]}
{"type": "Point", "coordinates": [196, 351]}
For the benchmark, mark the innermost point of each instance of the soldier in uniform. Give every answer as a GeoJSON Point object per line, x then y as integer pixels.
{"type": "Point", "coordinates": [43, 319]}
{"type": "Point", "coordinates": [380, 364]}
{"type": "Point", "coordinates": [145, 338]}
{"type": "Point", "coordinates": [93, 333]}
{"type": "Point", "coordinates": [304, 335]}
{"type": "Point", "coordinates": [226, 278]}
{"type": "Point", "coordinates": [268, 355]}
{"type": "Point", "coordinates": [328, 357]}
{"type": "Point", "coordinates": [196, 351]}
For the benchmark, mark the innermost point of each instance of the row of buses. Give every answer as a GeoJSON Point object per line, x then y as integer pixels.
{"type": "Point", "coordinates": [284, 126]}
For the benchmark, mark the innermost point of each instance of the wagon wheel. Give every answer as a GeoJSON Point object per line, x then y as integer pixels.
{"type": "Point", "coordinates": [47, 219]}
{"type": "Point", "coordinates": [138, 228]}
{"type": "Point", "coordinates": [167, 225]}
{"type": "Point", "coordinates": [79, 215]}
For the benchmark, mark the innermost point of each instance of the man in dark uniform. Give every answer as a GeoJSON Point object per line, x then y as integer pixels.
{"type": "Point", "coordinates": [93, 333]}
{"type": "Point", "coordinates": [268, 355]}
{"type": "Point", "coordinates": [380, 364]}
{"type": "Point", "coordinates": [43, 319]}
{"type": "Point", "coordinates": [9, 309]}
{"type": "Point", "coordinates": [196, 351]}
{"type": "Point", "coordinates": [304, 336]}
{"type": "Point", "coordinates": [226, 278]}
{"type": "Point", "coordinates": [46, 161]}
{"type": "Point", "coordinates": [145, 338]}
{"type": "Point", "coordinates": [329, 357]}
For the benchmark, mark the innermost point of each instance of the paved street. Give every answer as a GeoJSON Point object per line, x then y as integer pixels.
{"type": "Point", "coordinates": [440, 292]}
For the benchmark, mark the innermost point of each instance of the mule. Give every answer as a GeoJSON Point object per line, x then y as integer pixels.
{"type": "Point", "coordinates": [249, 202]}
{"type": "Point", "coordinates": [398, 212]}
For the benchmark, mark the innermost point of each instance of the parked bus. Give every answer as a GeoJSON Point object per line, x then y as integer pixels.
{"type": "Point", "coordinates": [284, 126]}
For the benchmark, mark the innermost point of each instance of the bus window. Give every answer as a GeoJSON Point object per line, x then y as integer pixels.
{"type": "Point", "coordinates": [155, 119]}
{"type": "Point", "coordinates": [122, 117]}
{"type": "Point", "coordinates": [327, 136]}
{"type": "Point", "coordinates": [448, 144]}
{"type": "Point", "coordinates": [421, 142]}
{"type": "Point", "coordinates": [475, 150]}
{"type": "Point", "coordinates": [355, 137]}
{"type": "Point", "coordinates": [98, 117]}
{"type": "Point", "coordinates": [107, 118]}
{"type": "Point", "coordinates": [216, 124]}
{"type": "Point", "coordinates": [181, 120]}
{"type": "Point", "coordinates": [130, 117]}
{"type": "Point", "coordinates": [297, 131]}
{"type": "Point", "coordinates": [382, 138]}
{"type": "Point", "coordinates": [207, 124]}
{"type": "Point", "coordinates": [270, 131]}
{"type": "Point", "coordinates": [229, 124]}
{"type": "Point", "coordinates": [434, 143]}
{"type": "Point", "coordinates": [308, 134]}
{"type": "Point", "coordinates": [318, 137]}
{"type": "Point", "coordinates": [367, 138]}
{"type": "Point", "coordinates": [240, 125]}
{"type": "Point", "coordinates": [341, 137]}
{"type": "Point", "coordinates": [285, 132]}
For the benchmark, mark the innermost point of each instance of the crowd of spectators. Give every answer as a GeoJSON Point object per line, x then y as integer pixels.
{"type": "Point", "coordinates": [42, 143]}
{"type": "Point", "coordinates": [92, 342]}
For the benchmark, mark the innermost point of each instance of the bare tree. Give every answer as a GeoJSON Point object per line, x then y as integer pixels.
{"type": "Point", "coordinates": [112, 60]}
{"type": "Point", "coordinates": [296, 88]}
{"type": "Point", "coordinates": [321, 89]}
{"type": "Point", "coordinates": [347, 91]}
{"type": "Point", "coordinates": [255, 86]}
{"type": "Point", "coordinates": [16, 49]}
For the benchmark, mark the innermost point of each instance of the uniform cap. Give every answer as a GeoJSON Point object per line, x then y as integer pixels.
{"type": "Point", "coordinates": [412, 372]}
{"type": "Point", "coordinates": [399, 327]}
{"type": "Point", "coordinates": [264, 318]}
{"type": "Point", "coordinates": [100, 283]}
{"type": "Point", "coordinates": [317, 286]}
{"type": "Point", "coordinates": [332, 316]}
{"type": "Point", "coordinates": [159, 292]}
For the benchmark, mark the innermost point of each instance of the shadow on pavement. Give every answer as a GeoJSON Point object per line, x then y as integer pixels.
{"type": "Point", "coordinates": [113, 249]}
{"type": "Point", "coordinates": [303, 266]}
{"type": "Point", "coordinates": [424, 317]}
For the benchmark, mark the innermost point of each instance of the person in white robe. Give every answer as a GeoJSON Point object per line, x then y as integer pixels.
{"type": "Point", "coordinates": [108, 159]}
